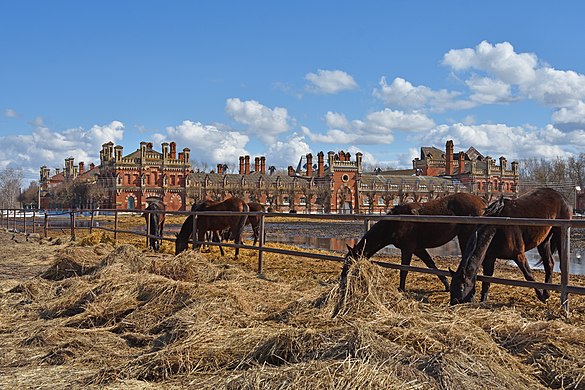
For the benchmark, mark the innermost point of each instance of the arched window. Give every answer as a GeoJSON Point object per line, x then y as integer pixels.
{"type": "Point", "coordinates": [131, 204]}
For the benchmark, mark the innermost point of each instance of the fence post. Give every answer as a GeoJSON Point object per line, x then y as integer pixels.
{"type": "Point", "coordinates": [46, 224]}
{"type": "Point", "coordinates": [146, 213]}
{"type": "Point", "coordinates": [24, 220]}
{"type": "Point", "coordinates": [566, 255]}
{"type": "Point", "coordinates": [366, 225]}
{"type": "Point", "coordinates": [193, 233]}
{"type": "Point", "coordinates": [91, 222]}
{"type": "Point", "coordinates": [14, 220]}
{"type": "Point", "coordinates": [261, 244]}
{"type": "Point", "coordinates": [72, 217]}
{"type": "Point", "coordinates": [34, 220]}
{"type": "Point", "coordinates": [115, 226]}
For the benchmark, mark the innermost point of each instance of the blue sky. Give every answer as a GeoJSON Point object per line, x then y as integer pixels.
{"type": "Point", "coordinates": [282, 79]}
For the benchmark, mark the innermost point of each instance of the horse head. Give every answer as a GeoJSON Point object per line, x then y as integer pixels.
{"type": "Point", "coordinates": [462, 288]}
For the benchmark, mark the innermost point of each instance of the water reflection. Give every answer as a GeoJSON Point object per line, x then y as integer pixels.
{"type": "Point", "coordinates": [576, 266]}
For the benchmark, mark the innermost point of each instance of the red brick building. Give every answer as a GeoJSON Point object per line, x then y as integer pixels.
{"type": "Point", "coordinates": [144, 173]}
{"type": "Point", "coordinates": [480, 174]}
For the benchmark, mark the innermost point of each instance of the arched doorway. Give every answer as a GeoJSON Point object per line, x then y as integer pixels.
{"type": "Point", "coordinates": [344, 201]}
{"type": "Point", "coordinates": [131, 202]}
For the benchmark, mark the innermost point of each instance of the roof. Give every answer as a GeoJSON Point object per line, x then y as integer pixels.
{"type": "Point", "coordinates": [431, 152]}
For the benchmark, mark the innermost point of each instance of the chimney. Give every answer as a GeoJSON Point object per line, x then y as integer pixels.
{"type": "Point", "coordinates": [173, 151]}
{"type": "Point", "coordinates": [503, 164]}
{"type": "Point", "coordinates": [291, 170]}
{"type": "Point", "coordinates": [320, 164]}
{"type": "Point", "coordinates": [256, 164]}
{"type": "Point", "coordinates": [331, 160]}
{"type": "Point", "coordinates": [242, 165]}
{"type": "Point", "coordinates": [81, 167]}
{"type": "Point", "coordinates": [186, 155]}
{"type": "Point", "coordinates": [247, 165]}
{"type": "Point", "coordinates": [91, 166]}
{"type": "Point", "coordinates": [309, 164]}
{"type": "Point", "coordinates": [220, 168]}
{"type": "Point", "coordinates": [165, 150]}
{"type": "Point", "coordinates": [358, 160]}
{"type": "Point", "coordinates": [263, 165]}
{"type": "Point", "coordinates": [118, 153]}
{"type": "Point", "coordinates": [449, 158]}
{"type": "Point", "coordinates": [181, 156]}
{"type": "Point", "coordinates": [461, 162]}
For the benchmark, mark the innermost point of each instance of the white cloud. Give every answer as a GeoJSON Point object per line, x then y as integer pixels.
{"type": "Point", "coordinates": [10, 113]}
{"type": "Point", "coordinates": [376, 128]}
{"type": "Point", "coordinates": [330, 81]}
{"type": "Point", "coordinates": [513, 142]}
{"type": "Point", "coordinates": [508, 73]}
{"type": "Point", "coordinates": [574, 114]}
{"type": "Point", "coordinates": [402, 93]}
{"type": "Point", "coordinates": [285, 153]}
{"type": "Point", "coordinates": [500, 60]}
{"type": "Point", "coordinates": [260, 120]}
{"type": "Point", "coordinates": [488, 91]}
{"type": "Point", "coordinates": [336, 120]}
{"type": "Point", "coordinates": [47, 147]}
{"type": "Point", "coordinates": [208, 143]}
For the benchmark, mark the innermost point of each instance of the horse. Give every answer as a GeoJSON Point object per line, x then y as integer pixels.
{"type": "Point", "coordinates": [510, 242]}
{"type": "Point", "coordinates": [415, 237]}
{"type": "Point", "coordinates": [156, 221]}
{"type": "Point", "coordinates": [213, 223]}
{"type": "Point", "coordinates": [252, 220]}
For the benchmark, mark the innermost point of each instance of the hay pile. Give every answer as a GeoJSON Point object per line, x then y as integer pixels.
{"type": "Point", "coordinates": [127, 319]}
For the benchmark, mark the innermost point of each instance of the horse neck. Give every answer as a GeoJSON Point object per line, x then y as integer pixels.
{"type": "Point", "coordinates": [186, 229]}
{"type": "Point", "coordinates": [375, 239]}
{"type": "Point", "coordinates": [476, 249]}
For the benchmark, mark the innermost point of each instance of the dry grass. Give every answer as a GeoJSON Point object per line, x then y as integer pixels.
{"type": "Point", "coordinates": [104, 316]}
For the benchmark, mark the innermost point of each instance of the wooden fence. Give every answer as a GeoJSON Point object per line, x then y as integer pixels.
{"type": "Point", "coordinates": [35, 221]}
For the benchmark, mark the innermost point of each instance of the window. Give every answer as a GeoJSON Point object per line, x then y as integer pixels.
{"type": "Point", "coordinates": [285, 201]}
{"type": "Point", "coordinates": [303, 201]}
{"type": "Point", "coordinates": [131, 202]}
{"type": "Point", "coordinates": [381, 201]}
{"type": "Point", "coordinates": [366, 201]}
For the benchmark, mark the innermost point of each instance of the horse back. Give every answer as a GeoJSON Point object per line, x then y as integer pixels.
{"type": "Point", "coordinates": [541, 203]}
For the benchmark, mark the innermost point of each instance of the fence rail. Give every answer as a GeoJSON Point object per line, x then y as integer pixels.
{"type": "Point", "coordinates": [34, 221]}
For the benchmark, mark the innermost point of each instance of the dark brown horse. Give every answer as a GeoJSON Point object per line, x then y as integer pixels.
{"type": "Point", "coordinates": [510, 242]}
{"type": "Point", "coordinates": [213, 223]}
{"type": "Point", "coordinates": [156, 221]}
{"type": "Point", "coordinates": [414, 237]}
{"type": "Point", "coordinates": [252, 220]}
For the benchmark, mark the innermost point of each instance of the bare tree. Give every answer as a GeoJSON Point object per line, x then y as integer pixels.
{"type": "Point", "coordinates": [30, 196]}
{"type": "Point", "coordinates": [10, 182]}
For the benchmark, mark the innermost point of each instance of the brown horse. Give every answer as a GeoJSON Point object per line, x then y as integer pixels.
{"type": "Point", "coordinates": [157, 222]}
{"type": "Point", "coordinates": [510, 242]}
{"type": "Point", "coordinates": [213, 223]}
{"type": "Point", "coordinates": [414, 237]}
{"type": "Point", "coordinates": [253, 220]}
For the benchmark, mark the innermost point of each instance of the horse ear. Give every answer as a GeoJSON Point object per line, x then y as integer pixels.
{"type": "Point", "coordinates": [451, 272]}
{"type": "Point", "coordinates": [177, 235]}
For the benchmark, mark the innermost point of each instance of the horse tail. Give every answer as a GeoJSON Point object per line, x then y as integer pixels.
{"type": "Point", "coordinates": [241, 223]}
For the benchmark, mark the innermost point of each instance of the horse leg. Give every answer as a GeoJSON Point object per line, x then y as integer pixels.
{"type": "Point", "coordinates": [428, 260]}
{"type": "Point", "coordinates": [522, 263]}
{"type": "Point", "coordinates": [488, 265]}
{"type": "Point", "coordinates": [256, 231]}
{"type": "Point", "coordinates": [544, 250]}
{"type": "Point", "coordinates": [405, 258]}
{"type": "Point", "coordinates": [216, 238]}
